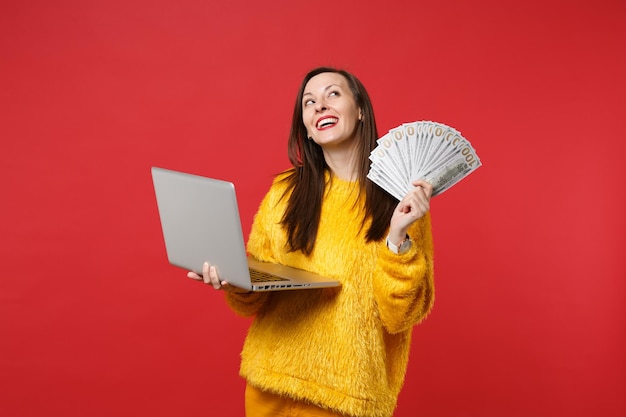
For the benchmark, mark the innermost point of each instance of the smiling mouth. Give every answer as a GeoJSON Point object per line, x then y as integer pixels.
{"type": "Point", "coordinates": [327, 122]}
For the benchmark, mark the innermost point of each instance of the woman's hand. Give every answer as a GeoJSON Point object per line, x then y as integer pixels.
{"type": "Point", "coordinates": [413, 207]}
{"type": "Point", "coordinates": [210, 277]}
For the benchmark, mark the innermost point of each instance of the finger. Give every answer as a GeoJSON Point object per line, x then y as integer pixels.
{"type": "Point", "coordinates": [422, 192]}
{"type": "Point", "coordinates": [215, 280]}
{"type": "Point", "coordinates": [424, 207]}
{"type": "Point", "coordinates": [409, 202]}
{"type": "Point", "coordinates": [205, 273]}
{"type": "Point", "coordinates": [415, 204]}
{"type": "Point", "coordinates": [193, 275]}
{"type": "Point", "coordinates": [426, 186]}
{"type": "Point", "coordinates": [422, 200]}
{"type": "Point", "coordinates": [419, 211]}
{"type": "Point", "coordinates": [404, 206]}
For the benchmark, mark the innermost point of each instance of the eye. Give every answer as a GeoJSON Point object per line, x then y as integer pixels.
{"type": "Point", "coordinates": [308, 102]}
{"type": "Point", "coordinates": [334, 94]}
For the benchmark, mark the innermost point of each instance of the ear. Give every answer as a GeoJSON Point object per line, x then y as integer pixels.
{"type": "Point", "coordinates": [360, 115]}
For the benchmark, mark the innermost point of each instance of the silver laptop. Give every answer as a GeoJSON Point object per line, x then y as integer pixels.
{"type": "Point", "coordinates": [200, 222]}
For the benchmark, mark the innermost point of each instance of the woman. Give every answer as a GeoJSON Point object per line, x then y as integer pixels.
{"type": "Point", "coordinates": [340, 351]}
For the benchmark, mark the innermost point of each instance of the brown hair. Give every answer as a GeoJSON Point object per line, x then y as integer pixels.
{"type": "Point", "coordinates": [306, 180]}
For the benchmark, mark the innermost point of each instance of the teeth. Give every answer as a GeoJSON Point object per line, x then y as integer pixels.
{"type": "Point", "coordinates": [328, 121]}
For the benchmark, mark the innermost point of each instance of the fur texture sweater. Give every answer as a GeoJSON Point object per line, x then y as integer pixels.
{"type": "Point", "coordinates": [345, 348]}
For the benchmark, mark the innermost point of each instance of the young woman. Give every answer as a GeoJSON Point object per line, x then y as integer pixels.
{"type": "Point", "coordinates": [338, 351]}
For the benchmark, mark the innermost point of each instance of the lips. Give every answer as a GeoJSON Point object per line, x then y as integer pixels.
{"type": "Point", "coordinates": [326, 122]}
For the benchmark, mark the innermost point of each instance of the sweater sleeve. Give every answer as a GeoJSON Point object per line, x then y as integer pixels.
{"type": "Point", "coordinates": [246, 304]}
{"type": "Point", "coordinates": [403, 284]}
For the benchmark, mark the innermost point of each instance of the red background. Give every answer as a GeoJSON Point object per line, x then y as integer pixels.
{"type": "Point", "coordinates": [530, 314]}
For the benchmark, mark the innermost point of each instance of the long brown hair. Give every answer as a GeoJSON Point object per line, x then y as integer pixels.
{"type": "Point", "coordinates": [306, 180]}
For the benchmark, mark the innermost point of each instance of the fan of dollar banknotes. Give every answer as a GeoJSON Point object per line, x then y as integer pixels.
{"type": "Point", "coordinates": [424, 150]}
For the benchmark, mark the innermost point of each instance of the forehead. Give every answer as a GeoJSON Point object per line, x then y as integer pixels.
{"type": "Point", "coordinates": [322, 81]}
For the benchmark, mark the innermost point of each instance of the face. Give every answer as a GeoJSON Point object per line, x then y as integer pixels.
{"type": "Point", "coordinates": [329, 110]}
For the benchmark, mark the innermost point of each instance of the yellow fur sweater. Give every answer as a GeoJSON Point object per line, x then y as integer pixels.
{"type": "Point", "coordinates": [342, 348]}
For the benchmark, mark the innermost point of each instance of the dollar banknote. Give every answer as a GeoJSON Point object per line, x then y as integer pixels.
{"type": "Point", "coordinates": [426, 150]}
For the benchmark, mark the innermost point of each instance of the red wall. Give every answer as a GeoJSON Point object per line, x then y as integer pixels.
{"type": "Point", "coordinates": [530, 311]}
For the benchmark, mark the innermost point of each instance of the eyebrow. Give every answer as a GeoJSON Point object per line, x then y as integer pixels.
{"type": "Point", "coordinates": [325, 89]}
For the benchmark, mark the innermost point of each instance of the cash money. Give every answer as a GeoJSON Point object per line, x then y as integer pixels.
{"type": "Point", "coordinates": [426, 150]}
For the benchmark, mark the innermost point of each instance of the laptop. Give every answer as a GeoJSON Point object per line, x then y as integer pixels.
{"type": "Point", "coordinates": [201, 223]}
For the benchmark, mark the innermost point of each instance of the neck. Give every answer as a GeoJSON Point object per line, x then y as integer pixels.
{"type": "Point", "coordinates": [342, 162]}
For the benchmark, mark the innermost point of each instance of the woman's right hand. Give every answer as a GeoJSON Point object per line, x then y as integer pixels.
{"type": "Point", "coordinates": [210, 277]}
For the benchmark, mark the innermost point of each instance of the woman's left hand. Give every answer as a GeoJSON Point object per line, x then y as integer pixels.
{"type": "Point", "coordinates": [413, 207]}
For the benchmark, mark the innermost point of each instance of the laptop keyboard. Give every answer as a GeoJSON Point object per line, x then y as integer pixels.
{"type": "Point", "coordinates": [258, 276]}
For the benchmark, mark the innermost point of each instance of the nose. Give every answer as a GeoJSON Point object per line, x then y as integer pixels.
{"type": "Point", "coordinates": [320, 105]}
